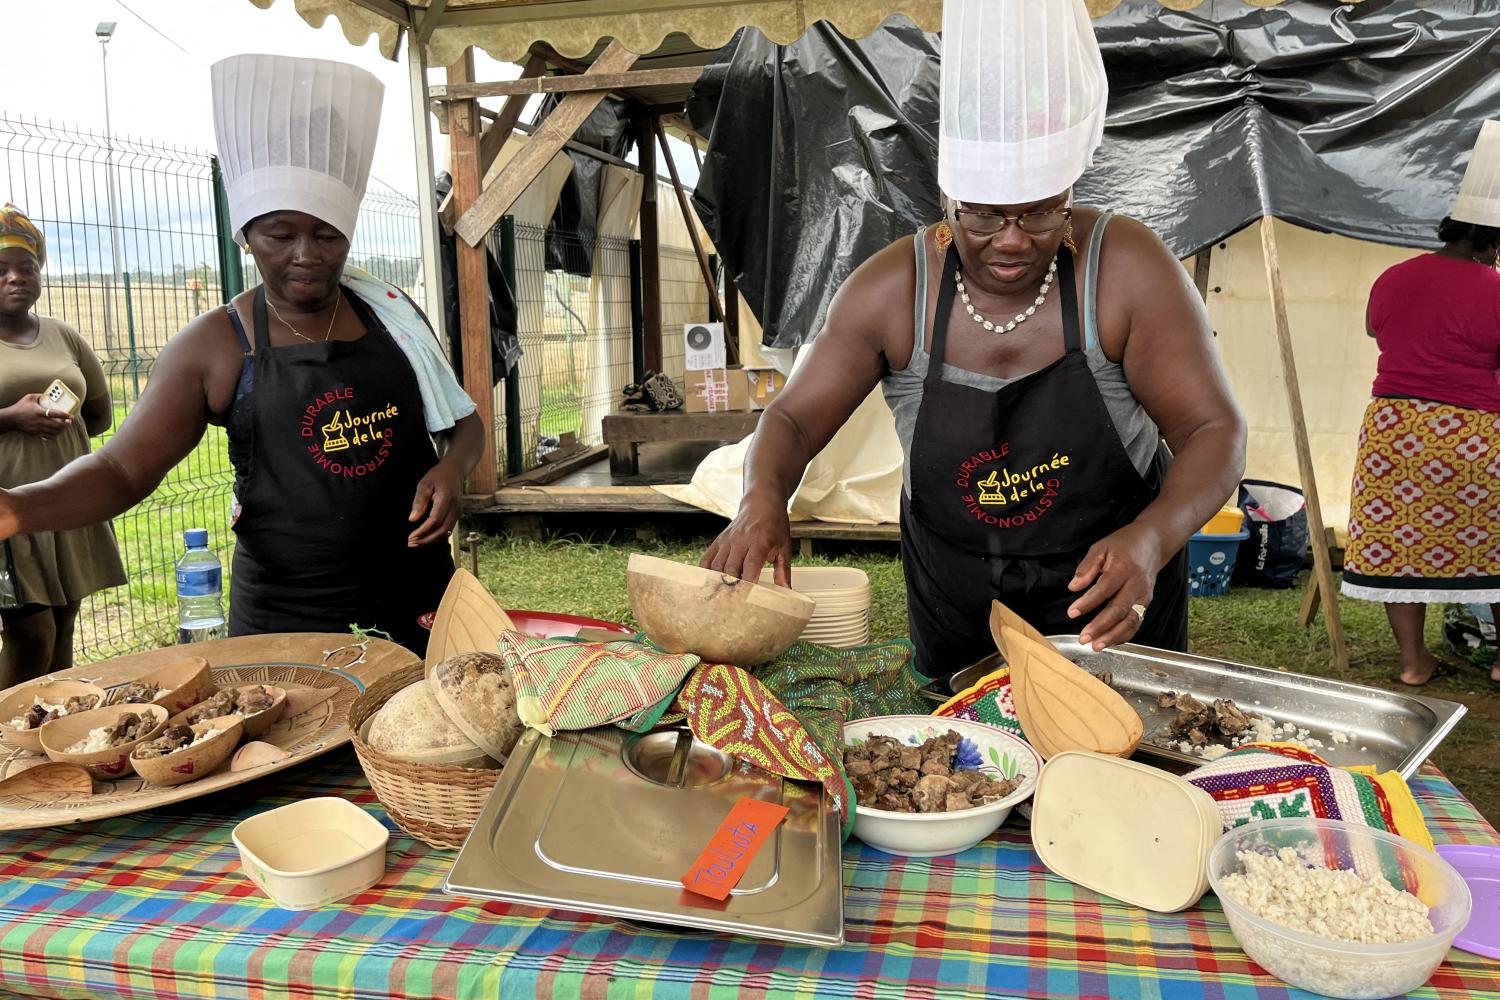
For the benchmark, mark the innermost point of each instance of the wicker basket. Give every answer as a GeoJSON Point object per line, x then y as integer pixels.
{"type": "Point", "coordinates": [448, 799]}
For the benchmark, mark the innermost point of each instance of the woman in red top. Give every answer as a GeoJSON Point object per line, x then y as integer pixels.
{"type": "Point", "coordinates": [1424, 519]}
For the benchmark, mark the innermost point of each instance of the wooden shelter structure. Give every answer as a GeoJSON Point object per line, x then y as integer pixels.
{"type": "Point", "coordinates": [648, 52]}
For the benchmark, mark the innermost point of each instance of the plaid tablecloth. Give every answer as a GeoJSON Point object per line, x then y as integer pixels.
{"type": "Point", "coordinates": [155, 906]}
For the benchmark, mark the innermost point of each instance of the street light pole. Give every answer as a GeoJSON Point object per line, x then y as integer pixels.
{"type": "Point", "coordinates": [104, 31]}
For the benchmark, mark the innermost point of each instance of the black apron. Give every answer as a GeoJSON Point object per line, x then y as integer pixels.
{"type": "Point", "coordinates": [328, 443]}
{"type": "Point", "coordinates": [1009, 489]}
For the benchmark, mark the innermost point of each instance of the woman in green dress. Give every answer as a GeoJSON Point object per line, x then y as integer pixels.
{"type": "Point", "coordinates": [54, 570]}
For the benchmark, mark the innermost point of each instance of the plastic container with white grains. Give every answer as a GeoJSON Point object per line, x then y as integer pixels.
{"type": "Point", "coordinates": [312, 853]}
{"type": "Point", "coordinates": [1335, 968]}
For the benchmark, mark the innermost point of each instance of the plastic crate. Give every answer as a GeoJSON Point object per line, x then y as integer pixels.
{"type": "Point", "coordinates": [1211, 563]}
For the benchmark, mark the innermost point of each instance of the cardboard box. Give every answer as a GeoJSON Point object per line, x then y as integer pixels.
{"type": "Point", "coordinates": [716, 390]}
{"type": "Point", "coordinates": [764, 384]}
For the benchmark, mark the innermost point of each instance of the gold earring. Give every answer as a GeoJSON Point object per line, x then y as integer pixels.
{"type": "Point", "coordinates": [1068, 238]}
{"type": "Point", "coordinates": [942, 235]}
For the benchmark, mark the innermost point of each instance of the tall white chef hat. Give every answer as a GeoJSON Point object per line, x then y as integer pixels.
{"type": "Point", "coordinates": [295, 134]}
{"type": "Point", "coordinates": [1478, 198]}
{"type": "Point", "coordinates": [1023, 99]}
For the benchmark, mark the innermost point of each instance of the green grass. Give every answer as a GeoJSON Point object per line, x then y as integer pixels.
{"type": "Point", "coordinates": [195, 494]}
{"type": "Point", "coordinates": [1249, 626]}
{"type": "Point", "coordinates": [562, 410]}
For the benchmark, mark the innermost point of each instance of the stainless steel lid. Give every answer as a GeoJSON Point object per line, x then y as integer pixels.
{"type": "Point", "coordinates": [606, 822]}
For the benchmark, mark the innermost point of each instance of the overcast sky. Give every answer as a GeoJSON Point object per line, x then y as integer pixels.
{"type": "Point", "coordinates": [159, 86]}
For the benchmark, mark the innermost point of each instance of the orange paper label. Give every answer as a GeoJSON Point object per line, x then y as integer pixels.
{"type": "Point", "coordinates": [734, 845]}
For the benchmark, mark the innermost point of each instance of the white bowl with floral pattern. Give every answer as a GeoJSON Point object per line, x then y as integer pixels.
{"type": "Point", "coordinates": [930, 835]}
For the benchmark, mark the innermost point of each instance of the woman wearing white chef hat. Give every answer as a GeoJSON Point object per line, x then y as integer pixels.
{"type": "Point", "coordinates": [349, 436]}
{"type": "Point", "coordinates": [1424, 514]}
{"type": "Point", "coordinates": [1035, 354]}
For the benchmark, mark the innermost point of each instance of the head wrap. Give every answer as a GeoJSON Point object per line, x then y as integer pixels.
{"type": "Point", "coordinates": [1023, 99]}
{"type": "Point", "coordinates": [18, 231]}
{"type": "Point", "coordinates": [295, 135]}
{"type": "Point", "coordinates": [1478, 200]}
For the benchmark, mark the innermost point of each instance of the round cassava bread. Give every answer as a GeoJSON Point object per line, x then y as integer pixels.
{"type": "Point", "coordinates": [413, 728]}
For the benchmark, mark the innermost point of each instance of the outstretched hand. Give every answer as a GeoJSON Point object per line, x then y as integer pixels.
{"type": "Point", "coordinates": [1117, 577]}
{"type": "Point", "coordinates": [759, 534]}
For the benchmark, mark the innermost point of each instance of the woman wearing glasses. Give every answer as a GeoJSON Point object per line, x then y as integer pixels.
{"type": "Point", "coordinates": [1036, 355]}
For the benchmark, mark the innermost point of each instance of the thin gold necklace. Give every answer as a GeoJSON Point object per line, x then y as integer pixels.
{"type": "Point", "coordinates": [326, 333]}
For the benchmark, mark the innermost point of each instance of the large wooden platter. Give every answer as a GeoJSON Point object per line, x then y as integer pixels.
{"type": "Point", "coordinates": [302, 660]}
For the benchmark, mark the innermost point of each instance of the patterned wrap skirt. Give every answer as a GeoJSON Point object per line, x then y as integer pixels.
{"type": "Point", "coordinates": [1424, 509]}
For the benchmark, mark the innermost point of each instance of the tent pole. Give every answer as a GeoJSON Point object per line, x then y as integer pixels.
{"type": "Point", "coordinates": [1322, 555]}
{"type": "Point", "coordinates": [421, 123]}
{"type": "Point", "coordinates": [464, 126]}
{"type": "Point", "coordinates": [645, 145]}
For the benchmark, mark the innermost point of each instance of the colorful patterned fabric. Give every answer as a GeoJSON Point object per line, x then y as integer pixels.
{"type": "Point", "coordinates": [826, 686]}
{"type": "Point", "coordinates": [731, 711]}
{"type": "Point", "coordinates": [1278, 780]}
{"type": "Point", "coordinates": [987, 700]}
{"type": "Point", "coordinates": [565, 684]}
{"type": "Point", "coordinates": [1424, 509]}
{"type": "Point", "coordinates": [17, 231]}
{"type": "Point", "coordinates": [155, 906]}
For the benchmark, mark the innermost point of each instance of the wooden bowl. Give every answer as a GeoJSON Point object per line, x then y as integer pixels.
{"type": "Point", "coordinates": [106, 765]}
{"type": "Point", "coordinates": [255, 726]}
{"type": "Point", "coordinates": [184, 683]}
{"type": "Point", "coordinates": [189, 763]}
{"type": "Point", "coordinates": [21, 699]}
{"type": "Point", "coordinates": [688, 609]}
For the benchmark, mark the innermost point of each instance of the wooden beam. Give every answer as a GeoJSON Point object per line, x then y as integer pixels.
{"type": "Point", "coordinates": [473, 278]}
{"type": "Point", "coordinates": [556, 58]}
{"type": "Point", "coordinates": [1201, 265]}
{"type": "Point", "coordinates": [1322, 556]}
{"type": "Point", "coordinates": [631, 80]}
{"type": "Point", "coordinates": [731, 305]}
{"type": "Point", "coordinates": [553, 471]}
{"type": "Point", "coordinates": [690, 219]}
{"type": "Point", "coordinates": [499, 130]}
{"type": "Point", "coordinates": [429, 22]}
{"type": "Point", "coordinates": [495, 200]}
{"type": "Point", "coordinates": [651, 332]}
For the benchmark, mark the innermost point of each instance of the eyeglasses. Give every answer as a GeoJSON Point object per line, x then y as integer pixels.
{"type": "Point", "coordinates": [1031, 223]}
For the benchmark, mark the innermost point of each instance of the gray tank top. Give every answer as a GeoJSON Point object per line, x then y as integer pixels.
{"type": "Point", "coordinates": [903, 388]}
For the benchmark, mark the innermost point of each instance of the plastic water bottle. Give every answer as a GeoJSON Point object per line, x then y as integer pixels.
{"type": "Point", "coordinates": [200, 586]}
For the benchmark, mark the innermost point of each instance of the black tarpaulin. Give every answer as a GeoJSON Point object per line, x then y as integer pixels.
{"type": "Point", "coordinates": [1356, 120]}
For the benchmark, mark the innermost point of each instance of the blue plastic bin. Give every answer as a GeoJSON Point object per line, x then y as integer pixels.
{"type": "Point", "coordinates": [1211, 563]}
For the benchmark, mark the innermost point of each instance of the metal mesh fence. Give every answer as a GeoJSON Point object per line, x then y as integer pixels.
{"type": "Point", "coordinates": [575, 334]}
{"type": "Point", "coordinates": [133, 255]}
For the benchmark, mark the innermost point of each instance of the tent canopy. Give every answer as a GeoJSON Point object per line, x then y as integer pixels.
{"type": "Point", "coordinates": [507, 29]}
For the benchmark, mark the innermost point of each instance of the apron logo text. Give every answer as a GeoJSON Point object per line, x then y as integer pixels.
{"type": "Point", "coordinates": [345, 431]}
{"type": "Point", "coordinates": [1037, 486]}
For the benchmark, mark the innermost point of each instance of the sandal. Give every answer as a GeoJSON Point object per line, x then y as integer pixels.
{"type": "Point", "coordinates": [1443, 669]}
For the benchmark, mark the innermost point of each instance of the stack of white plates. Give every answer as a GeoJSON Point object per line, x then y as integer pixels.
{"type": "Point", "coordinates": [842, 614]}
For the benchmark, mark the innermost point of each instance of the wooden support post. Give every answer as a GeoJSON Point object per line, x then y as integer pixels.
{"type": "Point", "coordinates": [1322, 556]}
{"type": "Point", "coordinates": [473, 280]}
{"type": "Point", "coordinates": [645, 144]}
{"type": "Point", "coordinates": [690, 219]}
{"type": "Point", "coordinates": [1201, 264]}
{"type": "Point", "coordinates": [559, 126]}
{"type": "Point", "coordinates": [1312, 597]}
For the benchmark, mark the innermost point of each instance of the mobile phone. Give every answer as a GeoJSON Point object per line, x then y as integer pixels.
{"type": "Point", "coordinates": [60, 399]}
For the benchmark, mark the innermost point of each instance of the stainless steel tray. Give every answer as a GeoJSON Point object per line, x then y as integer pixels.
{"type": "Point", "coordinates": [1395, 731]}
{"type": "Point", "coordinates": [605, 822]}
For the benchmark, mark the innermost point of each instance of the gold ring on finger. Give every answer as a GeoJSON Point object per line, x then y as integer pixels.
{"type": "Point", "coordinates": [1140, 611]}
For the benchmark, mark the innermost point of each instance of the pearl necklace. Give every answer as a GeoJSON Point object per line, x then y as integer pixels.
{"type": "Point", "coordinates": [1021, 317]}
